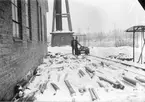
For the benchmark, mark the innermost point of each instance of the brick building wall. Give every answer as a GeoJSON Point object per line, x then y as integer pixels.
{"type": "Point", "coordinates": [20, 56]}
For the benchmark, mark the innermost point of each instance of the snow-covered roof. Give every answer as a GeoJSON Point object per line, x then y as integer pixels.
{"type": "Point", "coordinates": [138, 28]}
{"type": "Point", "coordinates": [62, 32]}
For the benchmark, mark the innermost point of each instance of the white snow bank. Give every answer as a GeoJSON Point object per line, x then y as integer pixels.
{"type": "Point", "coordinates": [64, 50]}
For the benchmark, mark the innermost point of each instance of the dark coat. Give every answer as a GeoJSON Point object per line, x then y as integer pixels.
{"type": "Point", "coordinates": [74, 44]}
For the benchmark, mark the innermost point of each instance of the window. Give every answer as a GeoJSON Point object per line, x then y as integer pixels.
{"type": "Point", "coordinates": [27, 16]}
{"type": "Point", "coordinates": [39, 15]}
{"type": "Point", "coordinates": [45, 29]}
{"type": "Point", "coordinates": [15, 18]}
{"type": "Point", "coordinates": [40, 22]}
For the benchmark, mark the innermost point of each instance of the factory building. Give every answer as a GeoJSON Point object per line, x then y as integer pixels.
{"type": "Point", "coordinates": [23, 41]}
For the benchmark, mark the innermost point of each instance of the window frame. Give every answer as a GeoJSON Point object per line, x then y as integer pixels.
{"type": "Point", "coordinates": [28, 19]}
{"type": "Point", "coordinates": [41, 30]}
{"type": "Point", "coordinates": [16, 19]}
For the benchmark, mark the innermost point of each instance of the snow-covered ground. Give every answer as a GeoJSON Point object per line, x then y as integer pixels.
{"type": "Point", "coordinates": [98, 51]}
{"type": "Point", "coordinates": [101, 51]}
{"type": "Point", "coordinates": [60, 65]}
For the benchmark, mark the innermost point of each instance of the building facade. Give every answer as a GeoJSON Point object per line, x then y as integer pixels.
{"type": "Point", "coordinates": [23, 41]}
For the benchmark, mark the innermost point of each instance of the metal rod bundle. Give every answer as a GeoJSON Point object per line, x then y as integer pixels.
{"type": "Point", "coordinates": [140, 79]}
{"type": "Point", "coordinates": [93, 94]}
{"type": "Point", "coordinates": [115, 85]}
{"type": "Point", "coordinates": [131, 81]}
{"type": "Point", "coordinates": [71, 90]}
{"type": "Point", "coordinates": [107, 80]}
{"type": "Point", "coordinates": [100, 84]}
{"type": "Point", "coordinates": [102, 64]}
{"type": "Point", "coordinates": [95, 65]}
{"type": "Point", "coordinates": [55, 86]}
{"type": "Point", "coordinates": [90, 74]}
{"type": "Point", "coordinates": [89, 69]}
{"type": "Point", "coordinates": [119, 85]}
{"type": "Point", "coordinates": [66, 75]}
{"type": "Point", "coordinates": [43, 87]}
{"type": "Point", "coordinates": [82, 90]}
{"type": "Point", "coordinates": [81, 73]}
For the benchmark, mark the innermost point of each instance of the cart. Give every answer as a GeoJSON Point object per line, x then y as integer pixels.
{"type": "Point", "coordinates": [83, 50]}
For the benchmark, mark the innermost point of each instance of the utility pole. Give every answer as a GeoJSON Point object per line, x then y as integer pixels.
{"type": "Point", "coordinates": [88, 36]}
{"type": "Point", "coordinates": [114, 32]}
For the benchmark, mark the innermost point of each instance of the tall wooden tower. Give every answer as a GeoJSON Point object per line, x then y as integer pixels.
{"type": "Point", "coordinates": [59, 36]}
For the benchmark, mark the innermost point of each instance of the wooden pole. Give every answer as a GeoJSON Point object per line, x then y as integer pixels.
{"type": "Point", "coordinates": [141, 46]}
{"type": "Point", "coordinates": [141, 55]}
{"type": "Point", "coordinates": [133, 46]}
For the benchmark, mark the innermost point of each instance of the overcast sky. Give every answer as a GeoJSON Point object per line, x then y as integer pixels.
{"type": "Point", "coordinates": [102, 15]}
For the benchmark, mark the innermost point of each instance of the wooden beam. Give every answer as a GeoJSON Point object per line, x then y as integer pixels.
{"type": "Point", "coordinates": [133, 46]}
{"type": "Point", "coordinates": [54, 15]}
{"type": "Point", "coordinates": [69, 19]}
{"type": "Point", "coordinates": [58, 9]}
{"type": "Point", "coordinates": [141, 54]}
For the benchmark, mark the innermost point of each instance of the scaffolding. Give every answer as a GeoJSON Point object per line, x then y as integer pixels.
{"type": "Point", "coordinates": [138, 29]}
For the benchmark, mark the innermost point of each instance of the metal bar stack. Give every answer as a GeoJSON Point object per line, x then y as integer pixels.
{"type": "Point", "coordinates": [140, 79]}
{"type": "Point", "coordinates": [55, 86]}
{"type": "Point", "coordinates": [71, 90]}
{"type": "Point", "coordinates": [93, 94]}
{"type": "Point", "coordinates": [81, 73]}
{"type": "Point", "coordinates": [115, 85]}
{"type": "Point", "coordinates": [129, 80]}
{"type": "Point", "coordinates": [90, 72]}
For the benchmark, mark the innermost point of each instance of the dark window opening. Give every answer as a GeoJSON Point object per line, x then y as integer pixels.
{"type": "Point", "coordinates": [16, 14]}
{"type": "Point", "coordinates": [28, 20]}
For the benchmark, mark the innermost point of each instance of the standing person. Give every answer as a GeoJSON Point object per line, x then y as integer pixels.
{"type": "Point", "coordinates": [76, 49]}
{"type": "Point", "coordinates": [74, 45]}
